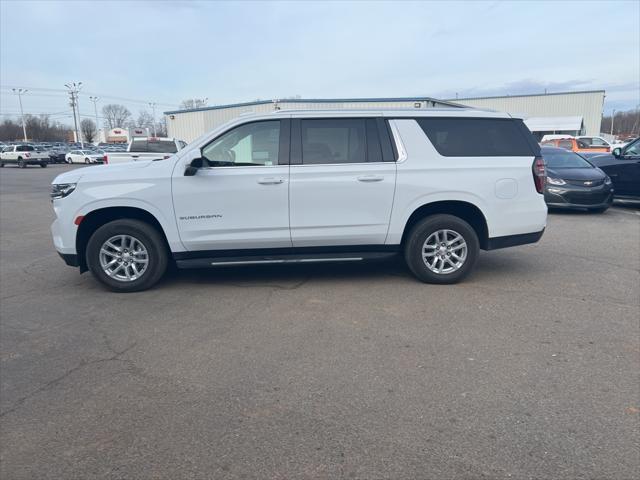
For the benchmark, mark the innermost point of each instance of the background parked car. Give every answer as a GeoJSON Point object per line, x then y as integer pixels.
{"type": "Point", "coordinates": [574, 183]}
{"type": "Point", "coordinates": [623, 166]}
{"type": "Point", "coordinates": [23, 155]}
{"type": "Point", "coordinates": [595, 142]}
{"type": "Point", "coordinates": [85, 156]}
{"type": "Point", "coordinates": [575, 145]}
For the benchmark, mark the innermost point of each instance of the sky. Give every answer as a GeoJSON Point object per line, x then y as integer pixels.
{"type": "Point", "coordinates": [136, 52]}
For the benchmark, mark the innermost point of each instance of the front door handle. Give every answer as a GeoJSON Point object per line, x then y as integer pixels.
{"type": "Point", "coordinates": [370, 178]}
{"type": "Point", "coordinates": [270, 181]}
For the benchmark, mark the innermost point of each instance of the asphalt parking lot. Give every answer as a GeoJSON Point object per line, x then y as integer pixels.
{"type": "Point", "coordinates": [530, 369]}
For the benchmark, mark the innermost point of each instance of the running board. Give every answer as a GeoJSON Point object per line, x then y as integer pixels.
{"type": "Point", "coordinates": [282, 259]}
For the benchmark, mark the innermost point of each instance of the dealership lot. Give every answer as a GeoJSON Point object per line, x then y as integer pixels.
{"type": "Point", "coordinates": [529, 369]}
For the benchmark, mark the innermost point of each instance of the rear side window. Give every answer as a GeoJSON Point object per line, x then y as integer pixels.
{"type": "Point", "coordinates": [476, 137]}
{"type": "Point", "coordinates": [565, 144]}
{"type": "Point", "coordinates": [333, 141]}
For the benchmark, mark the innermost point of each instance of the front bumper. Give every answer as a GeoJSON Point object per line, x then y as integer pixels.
{"type": "Point", "coordinates": [575, 197]}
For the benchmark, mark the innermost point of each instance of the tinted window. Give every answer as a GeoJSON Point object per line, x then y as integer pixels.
{"type": "Point", "coordinates": [251, 144]}
{"type": "Point", "coordinates": [333, 141]}
{"type": "Point", "coordinates": [471, 137]}
{"type": "Point", "coordinates": [25, 148]}
{"type": "Point", "coordinates": [161, 146]}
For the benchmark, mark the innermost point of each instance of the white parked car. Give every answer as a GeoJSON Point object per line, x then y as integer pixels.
{"type": "Point", "coordinates": [435, 186]}
{"type": "Point", "coordinates": [23, 155]}
{"type": "Point", "coordinates": [85, 156]}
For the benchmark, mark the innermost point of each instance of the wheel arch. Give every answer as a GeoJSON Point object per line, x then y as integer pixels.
{"type": "Point", "coordinates": [101, 216]}
{"type": "Point", "coordinates": [467, 211]}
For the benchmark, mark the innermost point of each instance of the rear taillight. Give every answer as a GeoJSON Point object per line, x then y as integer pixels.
{"type": "Point", "coordinates": [539, 174]}
{"type": "Point", "coordinates": [105, 159]}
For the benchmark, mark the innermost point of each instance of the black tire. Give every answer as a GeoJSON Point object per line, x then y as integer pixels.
{"type": "Point", "coordinates": [43, 164]}
{"type": "Point", "coordinates": [1, 164]}
{"type": "Point", "coordinates": [599, 210]}
{"type": "Point", "coordinates": [419, 235]}
{"type": "Point", "coordinates": [152, 240]}
{"type": "Point", "coordinates": [87, 161]}
{"type": "Point", "coordinates": [22, 163]}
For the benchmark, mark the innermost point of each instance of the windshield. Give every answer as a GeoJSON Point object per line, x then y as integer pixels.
{"type": "Point", "coordinates": [566, 159]}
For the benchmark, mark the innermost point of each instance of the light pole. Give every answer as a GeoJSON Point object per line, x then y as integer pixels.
{"type": "Point", "coordinates": [613, 116]}
{"type": "Point", "coordinates": [20, 92]}
{"type": "Point", "coordinates": [95, 109]}
{"type": "Point", "coordinates": [153, 109]}
{"type": "Point", "coordinates": [74, 89]}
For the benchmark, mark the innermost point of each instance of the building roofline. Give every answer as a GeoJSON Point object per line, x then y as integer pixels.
{"type": "Point", "coordinates": [523, 95]}
{"type": "Point", "coordinates": [316, 100]}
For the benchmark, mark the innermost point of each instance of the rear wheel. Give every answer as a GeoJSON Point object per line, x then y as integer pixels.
{"type": "Point", "coordinates": [87, 161]}
{"type": "Point", "coordinates": [441, 249]}
{"type": "Point", "coordinates": [22, 163]}
{"type": "Point", "coordinates": [43, 164]}
{"type": "Point", "coordinates": [1, 164]}
{"type": "Point", "coordinates": [69, 160]}
{"type": "Point", "coordinates": [127, 255]}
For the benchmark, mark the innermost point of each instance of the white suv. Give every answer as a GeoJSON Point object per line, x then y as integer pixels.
{"type": "Point", "coordinates": [290, 186]}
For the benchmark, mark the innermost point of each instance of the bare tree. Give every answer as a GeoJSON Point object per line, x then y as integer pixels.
{"type": "Point", "coordinates": [116, 115]}
{"type": "Point", "coordinates": [190, 103]}
{"type": "Point", "coordinates": [38, 128]}
{"type": "Point", "coordinates": [625, 123]}
{"type": "Point", "coordinates": [88, 129]}
{"type": "Point", "coordinates": [145, 119]}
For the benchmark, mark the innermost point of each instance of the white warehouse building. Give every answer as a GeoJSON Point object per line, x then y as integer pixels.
{"type": "Point", "coordinates": [188, 125]}
{"type": "Point", "coordinates": [574, 113]}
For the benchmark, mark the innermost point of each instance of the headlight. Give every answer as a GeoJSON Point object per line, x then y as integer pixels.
{"type": "Point", "coordinates": [607, 180]}
{"type": "Point", "coordinates": [555, 181]}
{"type": "Point", "coordinates": [61, 190]}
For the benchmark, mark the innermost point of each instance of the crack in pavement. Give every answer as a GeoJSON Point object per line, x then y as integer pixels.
{"type": "Point", "coordinates": [66, 374]}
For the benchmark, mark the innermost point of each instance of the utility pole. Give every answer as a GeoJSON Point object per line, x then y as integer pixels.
{"type": "Point", "coordinates": [613, 115]}
{"type": "Point", "coordinates": [20, 92]}
{"type": "Point", "coordinates": [153, 109]}
{"type": "Point", "coordinates": [74, 89]}
{"type": "Point", "coordinates": [95, 109]}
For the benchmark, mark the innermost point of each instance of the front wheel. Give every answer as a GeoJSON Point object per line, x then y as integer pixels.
{"type": "Point", "coordinates": [69, 160]}
{"type": "Point", "coordinates": [43, 164]}
{"type": "Point", "coordinates": [87, 161]}
{"type": "Point", "coordinates": [127, 255]}
{"type": "Point", "coordinates": [22, 163]}
{"type": "Point", "coordinates": [441, 249]}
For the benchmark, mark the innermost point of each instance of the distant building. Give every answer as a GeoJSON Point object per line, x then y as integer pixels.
{"type": "Point", "coordinates": [190, 124]}
{"type": "Point", "coordinates": [572, 113]}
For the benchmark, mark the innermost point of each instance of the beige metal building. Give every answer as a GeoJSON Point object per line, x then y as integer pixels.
{"type": "Point", "coordinates": [187, 125]}
{"type": "Point", "coordinates": [575, 113]}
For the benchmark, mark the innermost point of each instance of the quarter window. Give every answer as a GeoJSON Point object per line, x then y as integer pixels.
{"type": "Point", "coordinates": [249, 145]}
{"type": "Point", "coordinates": [476, 137]}
{"type": "Point", "coordinates": [334, 141]}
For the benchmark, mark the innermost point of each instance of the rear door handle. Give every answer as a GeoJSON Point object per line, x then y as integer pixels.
{"type": "Point", "coordinates": [270, 181]}
{"type": "Point", "coordinates": [370, 178]}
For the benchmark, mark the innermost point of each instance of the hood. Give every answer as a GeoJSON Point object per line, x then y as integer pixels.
{"type": "Point", "coordinates": [581, 174]}
{"type": "Point", "coordinates": [74, 176]}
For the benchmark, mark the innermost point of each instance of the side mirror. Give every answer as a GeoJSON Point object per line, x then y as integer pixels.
{"type": "Point", "coordinates": [193, 167]}
{"type": "Point", "coordinates": [617, 152]}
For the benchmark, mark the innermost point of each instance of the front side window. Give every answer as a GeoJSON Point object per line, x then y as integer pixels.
{"type": "Point", "coordinates": [475, 137]}
{"type": "Point", "coordinates": [333, 141]}
{"type": "Point", "coordinates": [249, 145]}
{"type": "Point", "coordinates": [599, 142]}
